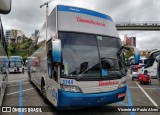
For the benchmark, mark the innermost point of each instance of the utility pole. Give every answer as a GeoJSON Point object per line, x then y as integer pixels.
{"type": "Point", "coordinates": [47, 7]}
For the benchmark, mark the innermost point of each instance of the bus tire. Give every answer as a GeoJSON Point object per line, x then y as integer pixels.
{"type": "Point", "coordinates": [132, 79]}
{"type": "Point", "coordinates": [142, 82]}
{"type": "Point", "coordinates": [43, 89]}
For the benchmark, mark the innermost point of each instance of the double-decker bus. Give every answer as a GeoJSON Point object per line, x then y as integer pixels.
{"type": "Point", "coordinates": [78, 59]}
{"type": "Point", "coordinates": [3, 64]}
{"type": "Point", "coordinates": [15, 64]}
{"type": "Point", "coordinates": [158, 68]}
{"type": "Point", "coordinates": [151, 64]}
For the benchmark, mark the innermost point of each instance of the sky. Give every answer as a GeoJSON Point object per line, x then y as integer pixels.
{"type": "Point", "coordinates": [26, 15]}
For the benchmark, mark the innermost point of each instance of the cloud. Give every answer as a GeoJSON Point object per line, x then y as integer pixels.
{"type": "Point", "coordinates": [145, 40]}
{"type": "Point", "coordinates": [27, 15]}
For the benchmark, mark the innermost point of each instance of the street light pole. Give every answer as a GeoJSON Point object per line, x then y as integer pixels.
{"type": "Point", "coordinates": [47, 7]}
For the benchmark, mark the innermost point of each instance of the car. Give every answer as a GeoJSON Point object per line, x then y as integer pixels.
{"type": "Point", "coordinates": [134, 75]}
{"type": "Point", "coordinates": [134, 69]}
{"type": "Point", "coordinates": [144, 78]}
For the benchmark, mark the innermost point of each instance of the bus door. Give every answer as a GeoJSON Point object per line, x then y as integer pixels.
{"type": "Point", "coordinates": [53, 73]}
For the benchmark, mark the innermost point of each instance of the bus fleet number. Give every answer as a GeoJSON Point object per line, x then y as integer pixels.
{"type": "Point", "coordinates": [67, 82]}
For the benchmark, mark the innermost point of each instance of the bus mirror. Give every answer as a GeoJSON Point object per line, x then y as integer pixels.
{"type": "Point", "coordinates": [136, 55]}
{"type": "Point", "coordinates": [158, 58]}
{"type": "Point", "coordinates": [5, 6]}
{"type": "Point", "coordinates": [56, 50]}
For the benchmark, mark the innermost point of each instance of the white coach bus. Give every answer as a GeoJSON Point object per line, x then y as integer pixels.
{"type": "Point", "coordinates": [158, 68]}
{"type": "Point", "coordinates": [15, 64]}
{"type": "Point", "coordinates": [80, 61]}
{"type": "Point", "coordinates": [151, 64]}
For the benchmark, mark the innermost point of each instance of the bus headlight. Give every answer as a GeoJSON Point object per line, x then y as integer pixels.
{"type": "Point", "coordinates": [122, 84]}
{"type": "Point", "coordinates": [70, 88]}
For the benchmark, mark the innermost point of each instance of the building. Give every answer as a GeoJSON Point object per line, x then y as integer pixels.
{"type": "Point", "coordinates": [14, 35]}
{"type": "Point", "coordinates": [20, 36]}
{"type": "Point", "coordinates": [36, 32]}
{"type": "Point", "coordinates": [129, 41]}
{"type": "Point", "coordinates": [122, 42]}
{"type": "Point", "coordinates": [33, 35]}
{"type": "Point", "coordinates": [145, 52]}
{"type": "Point", "coordinates": [8, 32]}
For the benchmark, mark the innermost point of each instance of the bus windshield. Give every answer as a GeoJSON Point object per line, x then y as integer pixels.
{"type": "Point", "coordinates": [3, 62]}
{"type": "Point", "coordinates": [15, 61]}
{"type": "Point", "coordinates": [89, 56]}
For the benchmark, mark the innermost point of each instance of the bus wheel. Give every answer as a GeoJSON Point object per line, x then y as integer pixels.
{"type": "Point", "coordinates": [44, 91]}
{"type": "Point", "coordinates": [142, 82]}
{"type": "Point", "coordinates": [132, 79]}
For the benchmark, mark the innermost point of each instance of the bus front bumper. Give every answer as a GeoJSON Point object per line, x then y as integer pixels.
{"type": "Point", "coordinates": [13, 70]}
{"type": "Point", "coordinates": [71, 100]}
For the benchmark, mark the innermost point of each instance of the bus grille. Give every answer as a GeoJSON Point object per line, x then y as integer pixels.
{"type": "Point", "coordinates": [99, 89]}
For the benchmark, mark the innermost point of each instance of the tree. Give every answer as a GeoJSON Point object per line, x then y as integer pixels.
{"type": "Point", "coordinates": [20, 49]}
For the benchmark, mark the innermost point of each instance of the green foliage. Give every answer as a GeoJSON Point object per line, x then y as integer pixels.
{"type": "Point", "coordinates": [20, 49]}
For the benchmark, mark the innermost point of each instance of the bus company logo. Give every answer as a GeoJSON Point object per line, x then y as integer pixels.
{"type": "Point", "coordinates": [105, 83]}
{"type": "Point", "coordinates": [90, 21]}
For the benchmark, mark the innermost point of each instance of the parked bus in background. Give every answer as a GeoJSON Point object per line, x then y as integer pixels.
{"type": "Point", "coordinates": [151, 64]}
{"type": "Point", "coordinates": [3, 64]}
{"type": "Point", "coordinates": [143, 61]}
{"type": "Point", "coordinates": [16, 64]}
{"type": "Point", "coordinates": [80, 61]}
{"type": "Point", "coordinates": [5, 8]}
{"type": "Point", "coordinates": [30, 65]}
{"type": "Point", "coordinates": [158, 68]}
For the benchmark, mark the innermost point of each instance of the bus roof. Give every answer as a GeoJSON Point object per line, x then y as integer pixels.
{"type": "Point", "coordinates": [3, 57]}
{"type": "Point", "coordinates": [75, 19]}
{"type": "Point", "coordinates": [16, 56]}
{"type": "Point", "coordinates": [154, 51]}
{"type": "Point", "coordinates": [83, 11]}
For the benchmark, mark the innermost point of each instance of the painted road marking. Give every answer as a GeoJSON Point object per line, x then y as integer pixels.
{"type": "Point", "coordinates": [122, 103]}
{"type": "Point", "coordinates": [143, 88]}
{"type": "Point", "coordinates": [20, 97]}
{"type": "Point", "coordinates": [16, 84]}
{"type": "Point", "coordinates": [130, 104]}
{"type": "Point", "coordinates": [154, 103]}
{"type": "Point", "coordinates": [18, 91]}
{"type": "Point", "coordinates": [17, 80]}
{"type": "Point", "coordinates": [158, 88]}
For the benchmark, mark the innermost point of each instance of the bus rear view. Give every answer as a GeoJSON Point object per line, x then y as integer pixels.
{"type": "Point", "coordinates": [85, 62]}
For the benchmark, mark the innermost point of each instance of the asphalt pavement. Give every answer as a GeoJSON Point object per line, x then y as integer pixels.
{"type": "Point", "coordinates": [20, 92]}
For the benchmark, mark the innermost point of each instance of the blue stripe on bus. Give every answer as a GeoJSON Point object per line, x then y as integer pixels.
{"type": "Point", "coordinates": [79, 100]}
{"type": "Point", "coordinates": [84, 11]}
